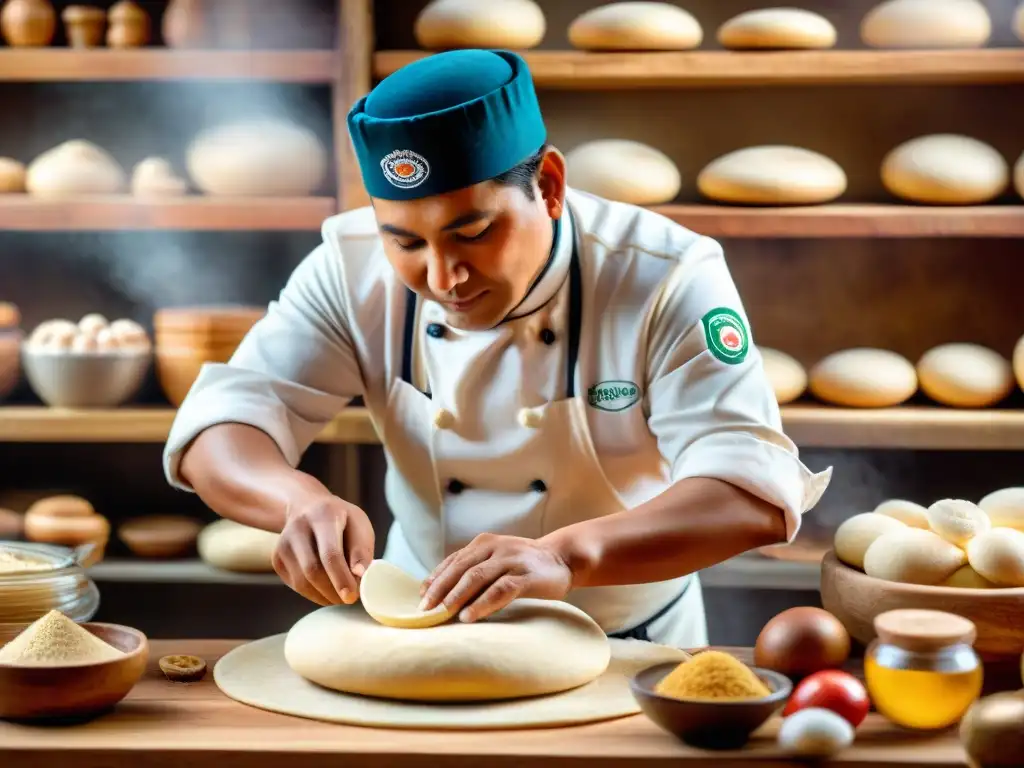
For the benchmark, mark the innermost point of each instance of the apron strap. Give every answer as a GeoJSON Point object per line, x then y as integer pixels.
{"type": "Point", "coordinates": [640, 631]}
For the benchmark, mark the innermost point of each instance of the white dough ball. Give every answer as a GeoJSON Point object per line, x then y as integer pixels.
{"type": "Point", "coordinates": [856, 534]}
{"type": "Point", "coordinates": [74, 168]}
{"type": "Point", "coordinates": [772, 175]}
{"type": "Point", "coordinates": [967, 578]}
{"type": "Point", "coordinates": [1018, 362]}
{"type": "Point", "coordinates": [92, 323]}
{"type": "Point", "coordinates": [1018, 173]}
{"type": "Point", "coordinates": [907, 512]}
{"type": "Point", "coordinates": [815, 732]}
{"type": "Point", "coordinates": [84, 343]}
{"type": "Point", "coordinates": [155, 177]}
{"type": "Point", "coordinates": [913, 556]}
{"type": "Point", "coordinates": [234, 547]}
{"type": "Point", "coordinates": [785, 374]}
{"type": "Point", "coordinates": [1018, 27]}
{"type": "Point", "coordinates": [945, 169]}
{"type": "Point", "coordinates": [965, 375]}
{"type": "Point", "coordinates": [927, 24]}
{"type": "Point", "coordinates": [449, 24]}
{"type": "Point", "coordinates": [106, 341]}
{"type": "Point", "coordinates": [998, 555]}
{"type": "Point", "coordinates": [636, 26]}
{"type": "Point", "coordinates": [622, 170]}
{"type": "Point", "coordinates": [957, 521]}
{"type": "Point", "coordinates": [777, 28]}
{"type": "Point", "coordinates": [864, 378]}
{"type": "Point", "coordinates": [1005, 508]}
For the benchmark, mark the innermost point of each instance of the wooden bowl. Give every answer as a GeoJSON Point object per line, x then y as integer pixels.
{"type": "Point", "coordinates": [160, 536]}
{"type": "Point", "coordinates": [709, 724]}
{"type": "Point", "coordinates": [211, 321]}
{"type": "Point", "coordinates": [856, 599]}
{"type": "Point", "coordinates": [76, 691]}
{"type": "Point", "coordinates": [177, 371]}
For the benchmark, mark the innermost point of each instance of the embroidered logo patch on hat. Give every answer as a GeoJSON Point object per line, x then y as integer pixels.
{"type": "Point", "coordinates": [405, 169]}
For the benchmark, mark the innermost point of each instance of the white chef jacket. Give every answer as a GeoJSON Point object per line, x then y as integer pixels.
{"type": "Point", "coordinates": [599, 392]}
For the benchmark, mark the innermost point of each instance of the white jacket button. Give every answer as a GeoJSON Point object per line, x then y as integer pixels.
{"type": "Point", "coordinates": [531, 418]}
{"type": "Point", "coordinates": [444, 419]}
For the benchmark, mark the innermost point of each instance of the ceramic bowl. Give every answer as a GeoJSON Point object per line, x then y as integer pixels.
{"type": "Point", "coordinates": [10, 360]}
{"type": "Point", "coordinates": [856, 599]}
{"type": "Point", "coordinates": [709, 724]}
{"type": "Point", "coordinates": [85, 380]}
{"type": "Point", "coordinates": [78, 690]}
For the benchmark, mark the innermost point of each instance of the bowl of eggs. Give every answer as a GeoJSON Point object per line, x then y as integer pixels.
{"type": "Point", "coordinates": [89, 364]}
{"type": "Point", "coordinates": [954, 556]}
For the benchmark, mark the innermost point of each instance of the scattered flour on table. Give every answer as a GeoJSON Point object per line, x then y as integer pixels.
{"type": "Point", "coordinates": [55, 640]}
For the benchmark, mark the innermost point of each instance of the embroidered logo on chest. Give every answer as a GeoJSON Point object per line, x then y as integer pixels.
{"type": "Point", "coordinates": [613, 395]}
{"type": "Point", "coordinates": [726, 335]}
{"type": "Point", "coordinates": [405, 169]}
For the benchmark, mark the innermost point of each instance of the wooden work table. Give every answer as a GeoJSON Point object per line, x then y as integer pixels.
{"type": "Point", "coordinates": [167, 725]}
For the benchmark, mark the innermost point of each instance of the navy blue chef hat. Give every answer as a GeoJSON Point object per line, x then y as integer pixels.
{"type": "Point", "coordinates": [446, 122]}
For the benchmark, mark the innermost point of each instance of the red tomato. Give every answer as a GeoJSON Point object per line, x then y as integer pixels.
{"type": "Point", "coordinates": [833, 690]}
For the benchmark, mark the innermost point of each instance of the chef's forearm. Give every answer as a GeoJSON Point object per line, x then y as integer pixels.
{"type": "Point", "coordinates": [239, 472]}
{"type": "Point", "coordinates": [695, 524]}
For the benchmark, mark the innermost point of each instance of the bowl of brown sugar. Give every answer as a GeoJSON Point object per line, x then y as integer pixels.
{"type": "Point", "coordinates": [712, 700]}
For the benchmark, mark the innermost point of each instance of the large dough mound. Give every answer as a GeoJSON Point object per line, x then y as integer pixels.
{"type": "Point", "coordinates": [777, 28]}
{"type": "Point", "coordinates": [864, 378]}
{"type": "Point", "coordinates": [75, 167]}
{"type": "Point", "coordinates": [636, 26]}
{"type": "Point", "coordinates": [449, 24]}
{"type": "Point", "coordinates": [927, 24]}
{"type": "Point", "coordinates": [945, 169]}
{"type": "Point", "coordinates": [622, 170]}
{"type": "Point", "coordinates": [965, 375]}
{"type": "Point", "coordinates": [532, 647]}
{"type": "Point", "coordinates": [235, 547]}
{"type": "Point", "coordinates": [772, 175]}
{"type": "Point", "coordinates": [787, 377]}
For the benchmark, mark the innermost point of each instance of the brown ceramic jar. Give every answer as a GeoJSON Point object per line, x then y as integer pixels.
{"type": "Point", "coordinates": [84, 25]}
{"type": "Point", "coordinates": [128, 25]}
{"type": "Point", "coordinates": [26, 23]}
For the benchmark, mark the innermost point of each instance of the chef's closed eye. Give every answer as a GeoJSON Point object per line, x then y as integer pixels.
{"type": "Point", "coordinates": [475, 232]}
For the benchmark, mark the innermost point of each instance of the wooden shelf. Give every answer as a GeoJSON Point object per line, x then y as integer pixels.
{"type": "Point", "coordinates": [62, 64]}
{"type": "Point", "coordinates": [810, 426]}
{"type": "Point", "coordinates": [827, 221]}
{"type": "Point", "coordinates": [578, 70]}
{"type": "Point", "coordinates": [124, 212]}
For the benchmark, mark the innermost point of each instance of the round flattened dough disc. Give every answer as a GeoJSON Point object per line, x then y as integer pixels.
{"type": "Point", "coordinates": [392, 598]}
{"type": "Point", "coordinates": [772, 175]}
{"type": "Point", "coordinates": [636, 26]}
{"type": "Point", "coordinates": [624, 171]}
{"type": "Point", "coordinates": [787, 377]}
{"type": "Point", "coordinates": [965, 375]}
{"type": "Point", "coordinates": [864, 378]}
{"type": "Point", "coordinates": [945, 169]}
{"type": "Point", "coordinates": [530, 648]}
{"type": "Point", "coordinates": [258, 675]}
{"type": "Point", "coordinates": [927, 24]}
{"type": "Point", "coordinates": [451, 24]}
{"type": "Point", "coordinates": [777, 29]}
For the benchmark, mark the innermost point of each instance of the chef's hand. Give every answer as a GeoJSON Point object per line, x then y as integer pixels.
{"type": "Point", "coordinates": [325, 547]}
{"type": "Point", "coordinates": [491, 572]}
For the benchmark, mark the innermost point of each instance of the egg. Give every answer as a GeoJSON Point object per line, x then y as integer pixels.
{"type": "Point", "coordinates": [801, 641]}
{"type": "Point", "coordinates": [92, 324]}
{"type": "Point", "coordinates": [992, 731]}
{"type": "Point", "coordinates": [815, 732]}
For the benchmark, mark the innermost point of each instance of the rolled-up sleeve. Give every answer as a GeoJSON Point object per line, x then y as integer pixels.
{"type": "Point", "coordinates": [709, 401]}
{"type": "Point", "coordinates": [293, 372]}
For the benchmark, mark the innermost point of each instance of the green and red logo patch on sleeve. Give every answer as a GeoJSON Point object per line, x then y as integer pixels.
{"type": "Point", "coordinates": [726, 334]}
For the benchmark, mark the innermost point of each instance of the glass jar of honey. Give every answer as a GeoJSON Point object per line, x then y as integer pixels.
{"type": "Point", "coordinates": [922, 671]}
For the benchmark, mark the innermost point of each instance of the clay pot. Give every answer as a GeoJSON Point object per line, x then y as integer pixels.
{"type": "Point", "coordinates": [160, 536]}
{"type": "Point", "coordinates": [27, 23]}
{"type": "Point", "coordinates": [128, 25]}
{"type": "Point", "coordinates": [84, 25]}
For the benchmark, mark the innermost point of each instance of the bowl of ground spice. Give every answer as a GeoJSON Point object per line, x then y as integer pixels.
{"type": "Point", "coordinates": [59, 670]}
{"type": "Point", "coordinates": [712, 700]}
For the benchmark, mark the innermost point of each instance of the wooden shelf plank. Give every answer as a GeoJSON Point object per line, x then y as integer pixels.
{"type": "Point", "coordinates": [579, 70]}
{"type": "Point", "coordinates": [63, 64]}
{"type": "Point", "coordinates": [27, 213]}
{"type": "Point", "coordinates": [810, 426]}
{"type": "Point", "coordinates": [841, 220]}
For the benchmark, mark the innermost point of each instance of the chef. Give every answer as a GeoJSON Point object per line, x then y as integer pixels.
{"type": "Point", "coordinates": [567, 390]}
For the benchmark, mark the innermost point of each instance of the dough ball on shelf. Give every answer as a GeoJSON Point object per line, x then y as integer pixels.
{"type": "Point", "coordinates": [927, 24]}
{"type": "Point", "coordinates": [234, 547]}
{"type": "Point", "coordinates": [945, 169]}
{"type": "Point", "coordinates": [965, 375]}
{"type": "Point", "coordinates": [636, 26]}
{"type": "Point", "coordinates": [155, 177]}
{"type": "Point", "coordinates": [772, 175]}
{"type": "Point", "coordinates": [998, 555]}
{"type": "Point", "coordinates": [967, 578]}
{"type": "Point", "coordinates": [907, 512]}
{"type": "Point", "coordinates": [75, 168]}
{"type": "Point", "coordinates": [92, 323]}
{"type": "Point", "coordinates": [913, 556]}
{"type": "Point", "coordinates": [777, 28]}
{"type": "Point", "coordinates": [1018, 172]}
{"type": "Point", "coordinates": [864, 378]}
{"type": "Point", "coordinates": [1018, 26]}
{"type": "Point", "coordinates": [623, 170]}
{"type": "Point", "coordinates": [856, 534]}
{"type": "Point", "coordinates": [450, 24]}
{"type": "Point", "coordinates": [957, 521]}
{"type": "Point", "coordinates": [1018, 362]}
{"type": "Point", "coordinates": [12, 176]}
{"type": "Point", "coordinates": [1005, 508]}
{"type": "Point", "coordinates": [787, 377]}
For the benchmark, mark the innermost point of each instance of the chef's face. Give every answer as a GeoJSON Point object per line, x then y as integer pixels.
{"type": "Point", "coordinates": [477, 250]}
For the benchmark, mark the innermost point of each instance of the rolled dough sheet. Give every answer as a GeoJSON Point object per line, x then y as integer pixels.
{"type": "Point", "coordinates": [392, 598]}
{"type": "Point", "coordinates": [257, 674]}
